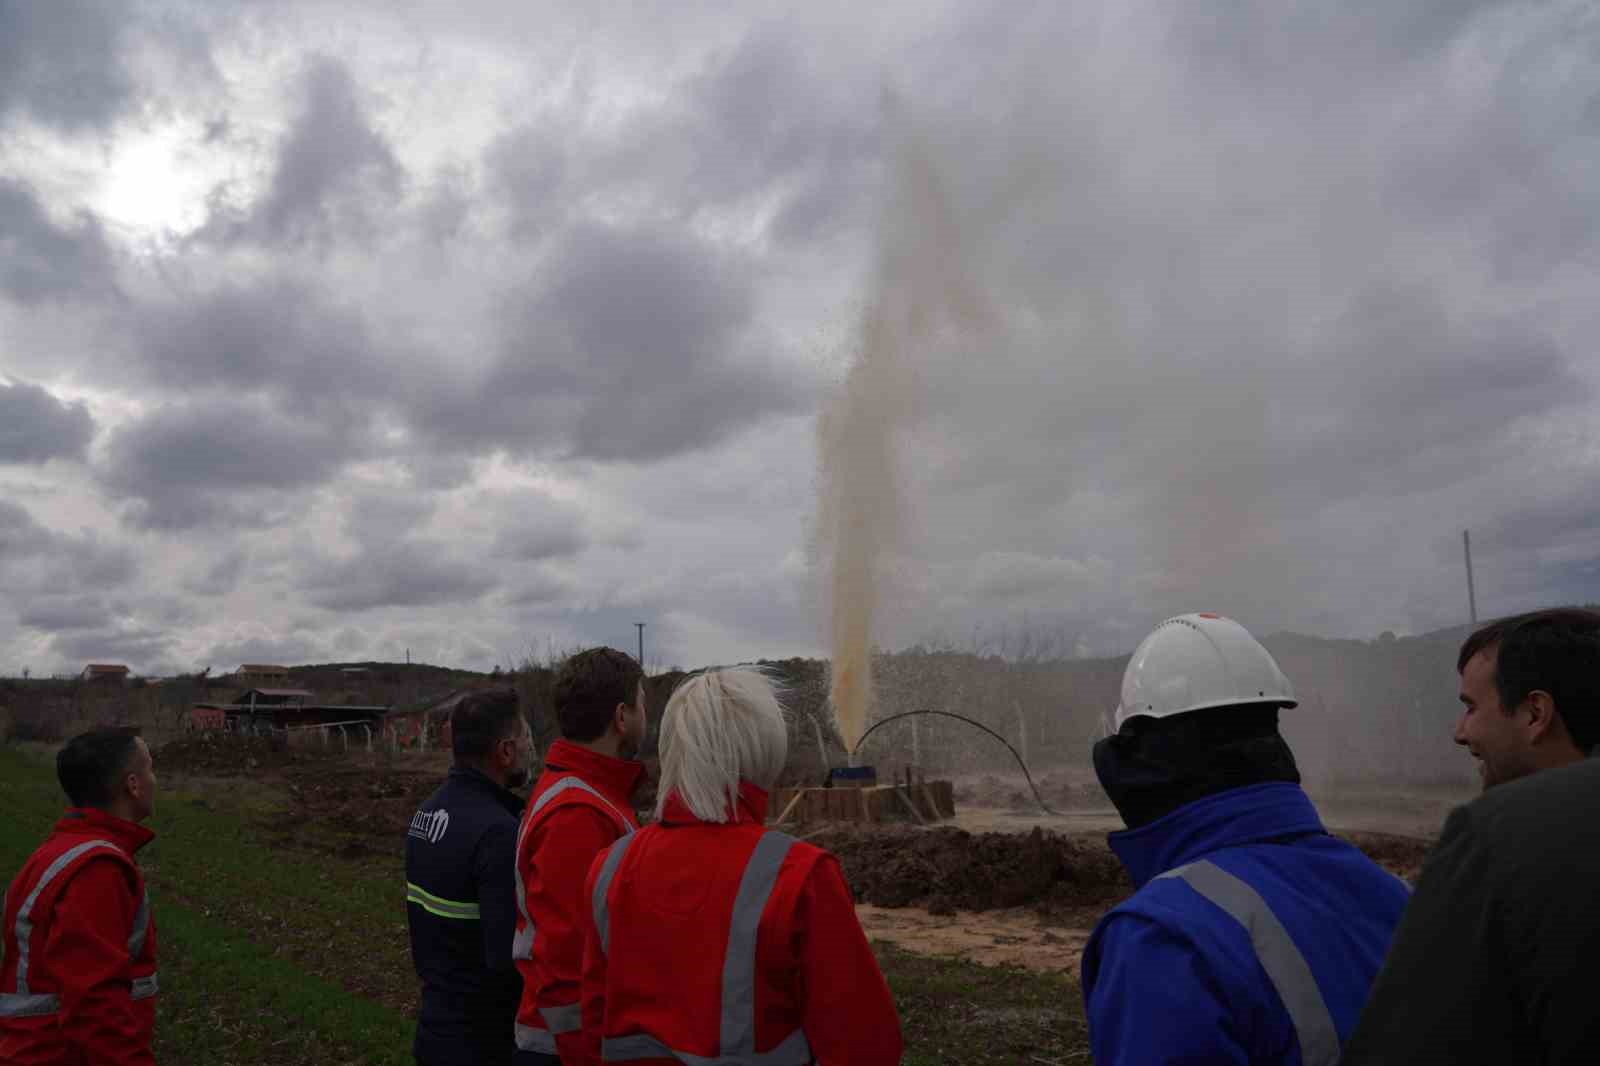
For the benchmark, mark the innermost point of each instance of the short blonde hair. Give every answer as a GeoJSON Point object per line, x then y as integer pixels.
{"type": "Point", "coordinates": [721, 727]}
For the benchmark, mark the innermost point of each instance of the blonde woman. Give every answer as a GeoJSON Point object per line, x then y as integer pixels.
{"type": "Point", "coordinates": [712, 937]}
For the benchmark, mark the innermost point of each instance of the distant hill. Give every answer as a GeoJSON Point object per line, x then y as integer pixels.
{"type": "Point", "coordinates": [1370, 711]}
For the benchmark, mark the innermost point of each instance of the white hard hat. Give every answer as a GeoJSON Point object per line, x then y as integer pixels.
{"type": "Point", "coordinates": [1196, 661]}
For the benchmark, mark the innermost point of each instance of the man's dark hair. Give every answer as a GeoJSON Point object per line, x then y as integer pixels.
{"type": "Point", "coordinates": [588, 687]}
{"type": "Point", "coordinates": [89, 764]}
{"type": "Point", "coordinates": [480, 721]}
{"type": "Point", "coordinates": [1555, 651]}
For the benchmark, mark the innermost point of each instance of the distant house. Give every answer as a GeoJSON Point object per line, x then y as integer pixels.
{"type": "Point", "coordinates": [434, 717]}
{"type": "Point", "coordinates": [261, 673]}
{"type": "Point", "coordinates": [276, 697]}
{"type": "Point", "coordinates": [107, 672]}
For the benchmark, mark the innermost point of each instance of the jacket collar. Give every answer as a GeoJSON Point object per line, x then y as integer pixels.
{"type": "Point", "coordinates": [472, 777]}
{"type": "Point", "coordinates": [1249, 815]}
{"type": "Point", "coordinates": [93, 822]}
{"type": "Point", "coordinates": [751, 808]}
{"type": "Point", "coordinates": [619, 777]}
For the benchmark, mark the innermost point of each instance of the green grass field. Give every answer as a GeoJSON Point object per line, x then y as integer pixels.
{"type": "Point", "coordinates": [274, 955]}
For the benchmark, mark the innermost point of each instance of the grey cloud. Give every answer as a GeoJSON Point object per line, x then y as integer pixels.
{"type": "Point", "coordinates": [62, 613]}
{"type": "Point", "coordinates": [408, 574]}
{"type": "Point", "coordinates": [35, 426]}
{"type": "Point", "coordinates": [142, 649]}
{"type": "Point", "coordinates": [62, 62]}
{"type": "Point", "coordinates": [276, 335]}
{"type": "Point", "coordinates": [331, 167]}
{"type": "Point", "coordinates": [20, 535]}
{"type": "Point", "coordinates": [43, 559]}
{"type": "Point", "coordinates": [202, 462]}
{"type": "Point", "coordinates": [545, 533]}
{"type": "Point", "coordinates": [40, 260]}
{"type": "Point", "coordinates": [542, 589]}
{"type": "Point", "coordinates": [289, 650]}
{"type": "Point", "coordinates": [772, 123]}
{"type": "Point", "coordinates": [528, 168]}
{"type": "Point", "coordinates": [635, 346]}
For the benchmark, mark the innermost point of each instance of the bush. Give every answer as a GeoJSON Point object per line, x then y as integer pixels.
{"type": "Point", "coordinates": [41, 722]}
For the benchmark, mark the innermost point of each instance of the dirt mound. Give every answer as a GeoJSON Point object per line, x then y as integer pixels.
{"type": "Point", "coordinates": [365, 810]}
{"type": "Point", "coordinates": [949, 869]}
{"type": "Point", "coordinates": [1401, 856]}
{"type": "Point", "coordinates": [222, 754]}
{"type": "Point", "coordinates": [944, 870]}
{"type": "Point", "coordinates": [1012, 793]}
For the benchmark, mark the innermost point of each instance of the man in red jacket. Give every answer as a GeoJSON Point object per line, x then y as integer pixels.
{"type": "Point", "coordinates": [578, 808]}
{"type": "Point", "coordinates": [78, 980]}
{"type": "Point", "coordinates": [714, 939]}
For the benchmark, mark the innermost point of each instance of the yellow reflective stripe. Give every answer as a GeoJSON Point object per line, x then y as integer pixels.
{"type": "Point", "coordinates": [444, 908]}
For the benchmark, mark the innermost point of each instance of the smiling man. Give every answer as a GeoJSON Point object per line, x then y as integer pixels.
{"type": "Point", "coordinates": [1494, 959]}
{"type": "Point", "coordinates": [1528, 689]}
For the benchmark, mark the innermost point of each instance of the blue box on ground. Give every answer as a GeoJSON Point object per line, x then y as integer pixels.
{"type": "Point", "coordinates": [854, 776]}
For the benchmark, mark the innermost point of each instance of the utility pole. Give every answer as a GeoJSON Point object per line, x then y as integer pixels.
{"type": "Point", "coordinates": [1472, 595]}
{"type": "Point", "coordinates": [640, 627]}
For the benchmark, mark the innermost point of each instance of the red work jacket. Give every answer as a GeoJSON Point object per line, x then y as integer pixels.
{"type": "Point", "coordinates": [78, 984]}
{"type": "Point", "coordinates": [579, 807]}
{"type": "Point", "coordinates": [728, 942]}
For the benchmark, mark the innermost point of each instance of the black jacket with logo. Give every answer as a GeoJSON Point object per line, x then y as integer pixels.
{"type": "Point", "coordinates": [1498, 955]}
{"type": "Point", "coordinates": [462, 910]}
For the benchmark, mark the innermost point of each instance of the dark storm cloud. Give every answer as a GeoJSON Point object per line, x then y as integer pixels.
{"type": "Point", "coordinates": [40, 260]}
{"type": "Point", "coordinates": [207, 461]}
{"type": "Point", "coordinates": [332, 169]}
{"type": "Point", "coordinates": [62, 62]}
{"type": "Point", "coordinates": [635, 344]}
{"type": "Point", "coordinates": [35, 426]}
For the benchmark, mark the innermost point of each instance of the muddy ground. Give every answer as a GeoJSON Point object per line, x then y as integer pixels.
{"type": "Point", "coordinates": [1026, 896]}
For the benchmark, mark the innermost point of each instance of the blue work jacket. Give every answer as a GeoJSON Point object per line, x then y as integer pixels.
{"type": "Point", "coordinates": [1253, 936]}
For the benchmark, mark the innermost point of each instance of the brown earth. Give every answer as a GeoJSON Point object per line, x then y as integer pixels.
{"type": "Point", "coordinates": [946, 869]}
{"type": "Point", "coordinates": [1028, 897]}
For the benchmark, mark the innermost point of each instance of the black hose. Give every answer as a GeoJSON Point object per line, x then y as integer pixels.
{"type": "Point", "coordinates": [1043, 806]}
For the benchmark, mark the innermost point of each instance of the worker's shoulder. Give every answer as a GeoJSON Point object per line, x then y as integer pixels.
{"type": "Point", "coordinates": [468, 805]}
{"type": "Point", "coordinates": [803, 855]}
{"type": "Point", "coordinates": [1565, 795]}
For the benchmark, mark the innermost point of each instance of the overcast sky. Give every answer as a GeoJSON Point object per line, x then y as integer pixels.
{"type": "Point", "coordinates": [333, 328]}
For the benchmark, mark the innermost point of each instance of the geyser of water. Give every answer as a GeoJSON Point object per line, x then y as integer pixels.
{"type": "Point", "coordinates": [920, 291]}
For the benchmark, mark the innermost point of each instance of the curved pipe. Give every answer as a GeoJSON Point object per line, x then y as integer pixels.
{"type": "Point", "coordinates": [979, 725]}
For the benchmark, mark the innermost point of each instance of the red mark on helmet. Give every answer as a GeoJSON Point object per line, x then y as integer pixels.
{"type": "Point", "coordinates": [1208, 614]}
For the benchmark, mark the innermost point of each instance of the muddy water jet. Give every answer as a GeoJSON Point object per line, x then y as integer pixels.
{"type": "Point", "coordinates": [921, 296]}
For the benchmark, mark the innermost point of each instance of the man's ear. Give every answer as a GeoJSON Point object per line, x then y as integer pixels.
{"type": "Point", "coordinates": [1544, 723]}
{"type": "Point", "coordinates": [619, 717]}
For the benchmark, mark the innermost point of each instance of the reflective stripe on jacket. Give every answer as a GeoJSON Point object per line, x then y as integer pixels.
{"type": "Point", "coordinates": [78, 982]}
{"type": "Point", "coordinates": [578, 808]}
{"type": "Point", "coordinates": [729, 943]}
{"type": "Point", "coordinates": [1254, 936]}
{"type": "Point", "coordinates": [461, 911]}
